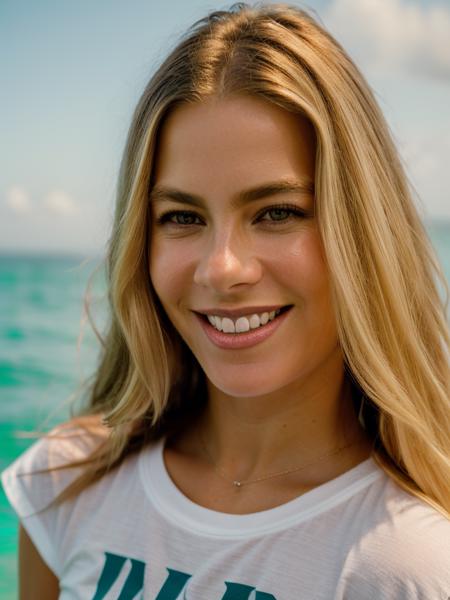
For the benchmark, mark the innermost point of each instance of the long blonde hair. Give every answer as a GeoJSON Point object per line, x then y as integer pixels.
{"type": "Point", "coordinates": [391, 322]}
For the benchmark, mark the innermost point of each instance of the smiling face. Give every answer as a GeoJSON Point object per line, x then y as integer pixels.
{"type": "Point", "coordinates": [234, 236]}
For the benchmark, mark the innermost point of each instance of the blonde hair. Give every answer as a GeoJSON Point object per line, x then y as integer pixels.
{"type": "Point", "coordinates": [391, 322]}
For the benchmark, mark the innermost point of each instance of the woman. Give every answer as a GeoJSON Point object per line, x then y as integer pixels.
{"type": "Point", "coordinates": [270, 416]}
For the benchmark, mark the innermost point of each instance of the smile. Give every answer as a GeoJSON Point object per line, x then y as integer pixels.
{"type": "Point", "coordinates": [241, 331]}
{"type": "Point", "coordinates": [242, 324]}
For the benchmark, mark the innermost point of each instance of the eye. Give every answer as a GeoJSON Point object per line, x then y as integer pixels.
{"type": "Point", "coordinates": [179, 217]}
{"type": "Point", "coordinates": [281, 213]}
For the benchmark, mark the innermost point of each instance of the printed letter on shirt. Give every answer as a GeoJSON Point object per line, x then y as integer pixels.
{"type": "Point", "coordinates": [238, 591]}
{"type": "Point", "coordinates": [171, 589]}
{"type": "Point", "coordinates": [114, 564]}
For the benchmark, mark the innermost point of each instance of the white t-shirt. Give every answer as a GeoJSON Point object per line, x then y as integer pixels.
{"type": "Point", "coordinates": [134, 535]}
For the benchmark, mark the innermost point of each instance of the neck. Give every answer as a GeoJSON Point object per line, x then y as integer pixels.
{"type": "Point", "coordinates": [252, 437]}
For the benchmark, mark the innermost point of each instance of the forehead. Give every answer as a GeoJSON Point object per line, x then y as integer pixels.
{"type": "Point", "coordinates": [238, 141]}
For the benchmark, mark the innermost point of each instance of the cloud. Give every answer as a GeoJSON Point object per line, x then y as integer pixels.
{"type": "Point", "coordinates": [394, 35]}
{"type": "Point", "coordinates": [426, 157]}
{"type": "Point", "coordinates": [18, 200]}
{"type": "Point", "coordinates": [59, 202]}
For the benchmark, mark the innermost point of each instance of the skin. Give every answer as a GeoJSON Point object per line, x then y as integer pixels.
{"type": "Point", "coordinates": [283, 402]}
{"type": "Point", "coordinates": [36, 580]}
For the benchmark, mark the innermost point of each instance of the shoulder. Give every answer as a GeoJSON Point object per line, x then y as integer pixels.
{"type": "Point", "coordinates": [71, 441]}
{"type": "Point", "coordinates": [33, 479]}
{"type": "Point", "coordinates": [74, 440]}
{"type": "Point", "coordinates": [405, 549]}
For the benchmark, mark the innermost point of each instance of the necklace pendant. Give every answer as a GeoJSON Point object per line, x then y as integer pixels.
{"type": "Point", "coordinates": [237, 483]}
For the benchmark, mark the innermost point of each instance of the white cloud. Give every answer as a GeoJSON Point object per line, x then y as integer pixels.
{"type": "Point", "coordinates": [59, 202]}
{"type": "Point", "coordinates": [396, 35]}
{"type": "Point", "coordinates": [18, 200]}
{"type": "Point", "coordinates": [426, 159]}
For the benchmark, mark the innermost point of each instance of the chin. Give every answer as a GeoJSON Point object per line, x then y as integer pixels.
{"type": "Point", "coordinates": [248, 383]}
{"type": "Point", "coordinates": [242, 391]}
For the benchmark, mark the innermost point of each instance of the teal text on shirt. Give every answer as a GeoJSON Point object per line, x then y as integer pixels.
{"type": "Point", "coordinates": [172, 587]}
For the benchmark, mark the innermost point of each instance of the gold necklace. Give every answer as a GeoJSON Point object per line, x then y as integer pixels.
{"type": "Point", "coordinates": [239, 484]}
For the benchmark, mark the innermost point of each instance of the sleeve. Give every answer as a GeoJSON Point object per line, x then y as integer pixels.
{"type": "Point", "coordinates": [407, 563]}
{"type": "Point", "coordinates": [30, 493]}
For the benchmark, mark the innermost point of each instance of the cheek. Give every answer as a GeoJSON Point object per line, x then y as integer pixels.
{"type": "Point", "coordinates": [302, 269]}
{"type": "Point", "coordinates": [171, 269]}
{"type": "Point", "coordinates": [301, 264]}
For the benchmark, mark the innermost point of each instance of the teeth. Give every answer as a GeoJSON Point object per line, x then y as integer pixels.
{"type": "Point", "coordinates": [254, 321]}
{"type": "Point", "coordinates": [227, 325]}
{"type": "Point", "coordinates": [242, 324]}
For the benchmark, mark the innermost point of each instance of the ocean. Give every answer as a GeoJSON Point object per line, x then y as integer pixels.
{"type": "Point", "coordinates": [47, 349]}
{"type": "Point", "coordinates": [43, 360]}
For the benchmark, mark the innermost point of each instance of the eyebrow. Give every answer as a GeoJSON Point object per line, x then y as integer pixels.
{"type": "Point", "coordinates": [285, 186]}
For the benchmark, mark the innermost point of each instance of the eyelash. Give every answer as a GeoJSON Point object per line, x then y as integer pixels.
{"type": "Point", "coordinates": [293, 210]}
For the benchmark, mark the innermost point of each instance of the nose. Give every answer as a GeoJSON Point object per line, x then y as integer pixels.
{"type": "Point", "coordinates": [228, 261]}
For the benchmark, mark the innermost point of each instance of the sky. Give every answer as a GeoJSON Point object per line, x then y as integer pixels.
{"type": "Point", "coordinates": [71, 74]}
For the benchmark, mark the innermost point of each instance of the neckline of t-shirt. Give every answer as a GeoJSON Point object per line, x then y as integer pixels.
{"type": "Point", "coordinates": [173, 505]}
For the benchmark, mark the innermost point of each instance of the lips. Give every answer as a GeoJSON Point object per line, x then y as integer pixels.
{"type": "Point", "coordinates": [235, 313]}
{"type": "Point", "coordinates": [245, 338]}
{"type": "Point", "coordinates": [243, 322]}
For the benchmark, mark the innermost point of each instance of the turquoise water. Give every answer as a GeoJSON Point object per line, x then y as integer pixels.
{"type": "Point", "coordinates": [42, 360]}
